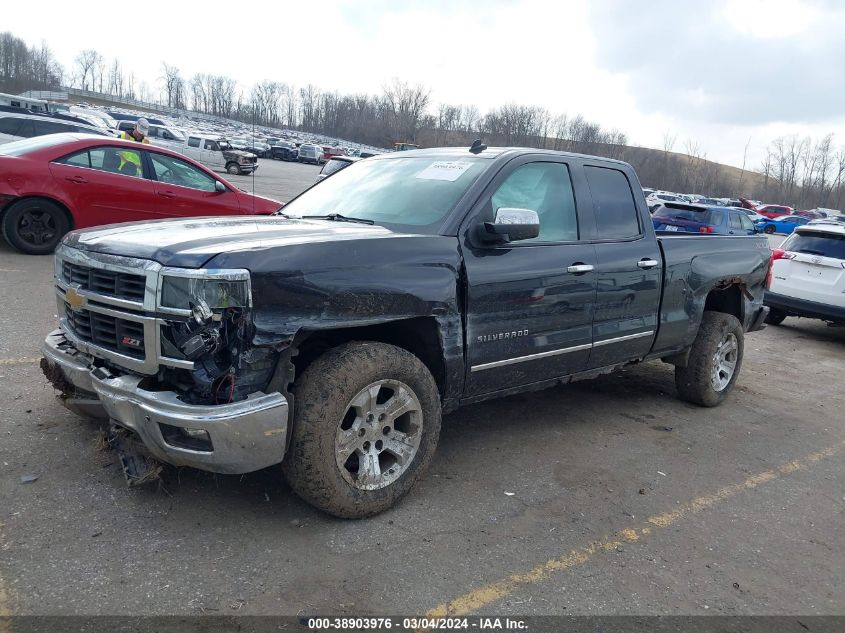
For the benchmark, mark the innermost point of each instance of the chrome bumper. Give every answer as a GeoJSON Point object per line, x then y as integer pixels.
{"type": "Point", "coordinates": [244, 436]}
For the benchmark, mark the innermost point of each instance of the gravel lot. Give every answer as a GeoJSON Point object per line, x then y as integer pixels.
{"type": "Point", "coordinates": [602, 497]}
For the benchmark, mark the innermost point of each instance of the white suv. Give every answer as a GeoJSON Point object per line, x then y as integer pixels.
{"type": "Point", "coordinates": [807, 276]}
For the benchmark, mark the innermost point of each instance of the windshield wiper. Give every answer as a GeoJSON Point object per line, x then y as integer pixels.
{"type": "Point", "coordinates": [337, 217]}
{"type": "Point", "coordinates": [810, 252]}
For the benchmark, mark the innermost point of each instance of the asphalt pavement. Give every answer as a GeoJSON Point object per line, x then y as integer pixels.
{"type": "Point", "coordinates": [602, 497]}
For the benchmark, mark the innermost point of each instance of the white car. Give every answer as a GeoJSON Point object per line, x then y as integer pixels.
{"type": "Point", "coordinates": [659, 197]}
{"type": "Point", "coordinates": [807, 276]}
{"type": "Point", "coordinates": [751, 213]}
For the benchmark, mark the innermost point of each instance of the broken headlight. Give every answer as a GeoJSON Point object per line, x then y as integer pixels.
{"type": "Point", "coordinates": [180, 290]}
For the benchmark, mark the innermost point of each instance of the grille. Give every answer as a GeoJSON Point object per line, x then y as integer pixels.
{"type": "Point", "coordinates": [106, 282]}
{"type": "Point", "coordinates": [111, 333]}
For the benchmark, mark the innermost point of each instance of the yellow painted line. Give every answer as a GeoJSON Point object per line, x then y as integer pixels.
{"type": "Point", "coordinates": [25, 360]}
{"type": "Point", "coordinates": [483, 596]}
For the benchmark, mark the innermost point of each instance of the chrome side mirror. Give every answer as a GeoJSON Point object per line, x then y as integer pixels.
{"type": "Point", "coordinates": [510, 225]}
{"type": "Point", "coordinates": [219, 187]}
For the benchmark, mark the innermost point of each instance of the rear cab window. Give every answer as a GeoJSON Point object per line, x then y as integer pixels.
{"type": "Point", "coordinates": [617, 217]}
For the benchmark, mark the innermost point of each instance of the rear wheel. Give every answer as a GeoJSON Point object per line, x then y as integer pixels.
{"type": "Point", "coordinates": [775, 317]}
{"type": "Point", "coordinates": [366, 424]}
{"type": "Point", "coordinates": [714, 361]}
{"type": "Point", "coordinates": [35, 226]}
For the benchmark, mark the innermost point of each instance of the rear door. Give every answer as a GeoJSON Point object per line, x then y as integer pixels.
{"type": "Point", "coordinates": [629, 270]}
{"type": "Point", "coordinates": [530, 303]}
{"type": "Point", "coordinates": [185, 190]}
{"type": "Point", "coordinates": [98, 192]}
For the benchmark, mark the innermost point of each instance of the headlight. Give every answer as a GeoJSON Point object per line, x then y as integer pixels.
{"type": "Point", "coordinates": [180, 289]}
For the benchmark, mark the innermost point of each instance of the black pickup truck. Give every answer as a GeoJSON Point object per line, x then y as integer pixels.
{"type": "Point", "coordinates": [331, 338]}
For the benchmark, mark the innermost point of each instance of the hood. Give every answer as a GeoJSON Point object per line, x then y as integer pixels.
{"type": "Point", "coordinates": [238, 152]}
{"type": "Point", "coordinates": [191, 243]}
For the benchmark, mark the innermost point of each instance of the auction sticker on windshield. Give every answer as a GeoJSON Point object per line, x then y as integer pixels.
{"type": "Point", "coordinates": [449, 170]}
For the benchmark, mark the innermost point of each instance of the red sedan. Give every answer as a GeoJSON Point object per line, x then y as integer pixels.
{"type": "Point", "coordinates": [52, 184]}
{"type": "Point", "coordinates": [772, 211]}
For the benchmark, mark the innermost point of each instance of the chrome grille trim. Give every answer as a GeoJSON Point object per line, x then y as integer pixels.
{"type": "Point", "coordinates": [142, 312]}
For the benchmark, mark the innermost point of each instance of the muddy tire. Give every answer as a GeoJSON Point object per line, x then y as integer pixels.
{"type": "Point", "coordinates": [233, 168]}
{"type": "Point", "coordinates": [714, 361]}
{"type": "Point", "coordinates": [775, 317]}
{"type": "Point", "coordinates": [365, 427]}
{"type": "Point", "coordinates": [35, 226]}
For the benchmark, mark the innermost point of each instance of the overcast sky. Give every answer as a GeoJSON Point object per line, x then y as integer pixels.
{"type": "Point", "coordinates": [719, 72]}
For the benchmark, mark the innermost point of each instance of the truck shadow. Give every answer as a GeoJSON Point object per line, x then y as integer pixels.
{"type": "Point", "coordinates": [813, 330]}
{"type": "Point", "coordinates": [496, 432]}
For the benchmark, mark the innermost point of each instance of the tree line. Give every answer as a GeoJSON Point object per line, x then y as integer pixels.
{"type": "Point", "coordinates": [797, 171]}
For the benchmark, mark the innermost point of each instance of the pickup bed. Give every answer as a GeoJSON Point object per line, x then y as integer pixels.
{"type": "Point", "coordinates": [332, 338]}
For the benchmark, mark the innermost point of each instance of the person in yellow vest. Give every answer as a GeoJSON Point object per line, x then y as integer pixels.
{"type": "Point", "coordinates": [130, 162]}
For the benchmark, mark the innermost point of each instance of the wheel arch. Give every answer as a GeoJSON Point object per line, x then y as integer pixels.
{"type": "Point", "coordinates": [418, 335]}
{"type": "Point", "coordinates": [64, 207]}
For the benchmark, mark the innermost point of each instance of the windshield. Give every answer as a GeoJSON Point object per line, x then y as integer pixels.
{"type": "Point", "coordinates": [405, 193]}
{"type": "Point", "coordinates": [224, 145]}
{"type": "Point", "coordinates": [695, 215]}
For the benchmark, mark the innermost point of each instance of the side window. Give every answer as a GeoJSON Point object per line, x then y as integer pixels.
{"type": "Point", "coordinates": [193, 141]}
{"type": "Point", "coordinates": [717, 218]}
{"type": "Point", "coordinates": [80, 159]}
{"type": "Point", "coordinates": [547, 189]}
{"type": "Point", "coordinates": [177, 172]}
{"type": "Point", "coordinates": [117, 161]}
{"type": "Point", "coordinates": [27, 129]}
{"type": "Point", "coordinates": [212, 145]}
{"type": "Point", "coordinates": [736, 222]}
{"type": "Point", "coordinates": [613, 201]}
{"type": "Point", "coordinates": [746, 222]}
{"type": "Point", "coordinates": [10, 125]}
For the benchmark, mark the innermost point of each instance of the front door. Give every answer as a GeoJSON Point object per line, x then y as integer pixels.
{"type": "Point", "coordinates": [530, 303]}
{"type": "Point", "coordinates": [103, 187]}
{"type": "Point", "coordinates": [629, 270]}
{"type": "Point", "coordinates": [185, 190]}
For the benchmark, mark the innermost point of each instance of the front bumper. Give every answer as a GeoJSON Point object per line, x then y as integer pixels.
{"type": "Point", "coordinates": [244, 436]}
{"type": "Point", "coordinates": [248, 168]}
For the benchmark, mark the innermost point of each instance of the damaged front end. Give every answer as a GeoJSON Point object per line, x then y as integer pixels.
{"type": "Point", "coordinates": [167, 355]}
{"type": "Point", "coordinates": [207, 323]}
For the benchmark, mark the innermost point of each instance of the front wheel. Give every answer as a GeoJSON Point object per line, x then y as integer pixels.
{"type": "Point", "coordinates": [232, 168]}
{"type": "Point", "coordinates": [714, 361]}
{"type": "Point", "coordinates": [769, 230]}
{"type": "Point", "coordinates": [35, 226]}
{"type": "Point", "coordinates": [365, 426]}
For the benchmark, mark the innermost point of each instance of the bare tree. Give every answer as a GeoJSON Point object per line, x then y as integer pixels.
{"type": "Point", "coordinates": [87, 62]}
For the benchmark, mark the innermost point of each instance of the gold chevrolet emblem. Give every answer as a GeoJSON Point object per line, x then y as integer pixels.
{"type": "Point", "coordinates": [75, 300]}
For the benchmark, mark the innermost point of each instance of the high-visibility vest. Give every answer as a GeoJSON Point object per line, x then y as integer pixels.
{"type": "Point", "coordinates": [131, 157]}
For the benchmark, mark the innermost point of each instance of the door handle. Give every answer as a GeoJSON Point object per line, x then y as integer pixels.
{"type": "Point", "coordinates": [77, 179]}
{"type": "Point", "coordinates": [167, 194]}
{"type": "Point", "coordinates": [645, 264]}
{"type": "Point", "coordinates": [579, 269]}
